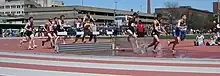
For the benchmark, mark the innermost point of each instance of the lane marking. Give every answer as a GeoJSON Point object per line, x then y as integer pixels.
{"type": "Point", "coordinates": [110, 62]}
{"type": "Point", "coordinates": [114, 66]}
{"type": "Point", "coordinates": [31, 72]}
{"type": "Point", "coordinates": [125, 59]}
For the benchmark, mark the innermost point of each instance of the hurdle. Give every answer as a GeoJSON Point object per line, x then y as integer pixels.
{"type": "Point", "coordinates": [100, 46]}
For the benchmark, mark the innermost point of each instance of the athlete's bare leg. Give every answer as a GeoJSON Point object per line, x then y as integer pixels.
{"type": "Point", "coordinates": [33, 41]}
{"type": "Point", "coordinates": [50, 38]}
{"type": "Point", "coordinates": [25, 40]}
{"type": "Point", "coordinates": [177, 39]}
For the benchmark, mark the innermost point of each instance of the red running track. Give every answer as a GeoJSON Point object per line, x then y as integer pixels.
{"type": "Point", "coordinates": [185, 48]}
{"type": "Point", "coordinates": [46, 63]}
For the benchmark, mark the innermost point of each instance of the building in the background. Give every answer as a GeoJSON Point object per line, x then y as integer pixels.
{"type": "Point", "coordinates": [13, 11]}
{"type": "Point", "coordinates": [42, 10]}
{"type": "Point", "coordinates": [102, 15]}
{"type": "Point", "coordinates": [55, 3]}
{"type": "Point", "coordinates": [216, 6]}
{"type": "Point", "coordinates": [197, 18]}
{"type": "Point", "coordinates": [183, 9]}
{"type": "Point", "coordinates": [49, 3]}
{"type": "Point", "coordinates": [16, 7]}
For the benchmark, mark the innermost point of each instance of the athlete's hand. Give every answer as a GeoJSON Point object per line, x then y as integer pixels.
{"type": "Point", "coordinates": [164, 32]}
{"type": "Point", "coordinates": [161, 32]}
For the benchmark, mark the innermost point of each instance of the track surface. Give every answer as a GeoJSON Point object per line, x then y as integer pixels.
{"type": "Point", "coordinates": [43, 61]}
{"type": "Point", "coordinates": [23, 64]}
{"type": "Point", "coordinates": [184, 49]}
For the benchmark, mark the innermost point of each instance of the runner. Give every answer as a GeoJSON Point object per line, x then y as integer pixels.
{"type": "Point", "coordinates": [177, 32]}
{"type": "Point", "coordinates": [60, 28]}
{"type": "Point", "coordinates": [88, 21]}
{"type": "Point", "coordinates": [79, 28]}
{"type": "Point", "coordinates": [29, 34]}
{"type": "Point", "coordinates": [55, 23]}
{"type": "Point", "coordinates": [48, 27]}
{"type": "Point", "coordinates": [132, 30]}
{"type": "Point", "coordinates": [93, 34]}
{"type": "Point", "coordinates": [157, 30]}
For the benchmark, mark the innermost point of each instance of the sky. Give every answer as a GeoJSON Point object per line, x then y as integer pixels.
{"type": "Point", "coordinates": [140, 5]}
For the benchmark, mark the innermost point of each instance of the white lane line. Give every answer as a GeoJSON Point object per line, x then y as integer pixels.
{"type": "Point", "coordinates": [6, 75]}
{"type": "Point", "coordinates": [30, 72]}
{"type": "Point", "coordinates": [118, 59]}
{"type": "Point", "coordinates": [114, 66]}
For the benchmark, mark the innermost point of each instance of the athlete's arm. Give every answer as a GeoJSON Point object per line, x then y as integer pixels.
{"type": "Point", "coordinates": [92, 18]}
{"type": "Point", "coordinates": [45, 27]}
{"type": "Point", "coordinates": [179, 23]}
{"type": "Point", "coordinates": [59, 22]}
{"type": "Point", "coordinates": [127, 18]}
{"type": "Point", "coordinates": [163, 29]}
{"type": "Point", "coordinates": [84, 19]}
{"type": "Point", "coordinates": [26, 26]}
{"type": "Point", "coordinates": [154, 26]}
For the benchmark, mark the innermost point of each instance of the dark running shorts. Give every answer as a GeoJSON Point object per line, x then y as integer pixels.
{"type": "Point", "coordinates": [28, 33]}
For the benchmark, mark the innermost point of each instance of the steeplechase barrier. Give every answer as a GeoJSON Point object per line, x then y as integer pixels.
{"type": "Point", "coordinates": [99, 46]}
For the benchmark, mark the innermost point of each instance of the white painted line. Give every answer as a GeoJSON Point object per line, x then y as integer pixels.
{"type": "Point", "coordinates": [119, 59]}
{"type": "Point", "coordinates": [30, 72]}
{"type": "Point", "coordinates": [114, 66]}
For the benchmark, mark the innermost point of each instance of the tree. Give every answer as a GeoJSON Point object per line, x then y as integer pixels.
{"type": "Point", "coordinates": [172, 12]}
{"type": "Point", "coordinates": [171, 4]}
{"type": "Point", "coordinates": [197, 21]}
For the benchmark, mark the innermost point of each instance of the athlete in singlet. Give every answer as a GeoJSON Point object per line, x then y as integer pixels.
{"type": "Point", "coordinates": [132, 30]}
{"type": "Point", "coordinates": [48, 27]}
{"type": "Point", "coordinates": [157, 30]}
{"type": "Point", "coordinates": [60, 28]}
{"type": "Point", "coordinates": [177, 32]}
{"type": "Point", "coordinates": [29, 27]}
{"type": "Point", "coordinates": [79, 28]}
{"type": "Point", "coordinates": [88, 21]}
{"type": "Point", "coordinates": [55, 23]}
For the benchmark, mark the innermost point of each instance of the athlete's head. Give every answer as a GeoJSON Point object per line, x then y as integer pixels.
{"type": "Point", "coordinates": [79, 20]}
{"type": "Point", "coordinates": [183, 16]}
{"type": "Point", "coordinates": [55, 19]}
{"type": "Point", "coordinates": [31, 19]}
{"type": "Point", "coordinates": [62, 17]}
{"type": "Point", "coordinates": [135, 14]}
{"type": "Point", "coordinates": [88, 15]}
{"type": "Point", "coordinates": [139, 21]}
{"type": "Point", "coordinates": [159, 16]}
{"type": "Point", "coordinates": [200, 33]}
{"type": "Point", "coordinates": [50, 20]}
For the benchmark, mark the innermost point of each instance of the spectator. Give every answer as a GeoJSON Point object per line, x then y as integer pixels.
{"type": "Point", "coordinates": [212, 41]}
{"type": "Point", "coordinates": [199, 40]}
{"type": "Point", "coordinates": [140, 29]}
